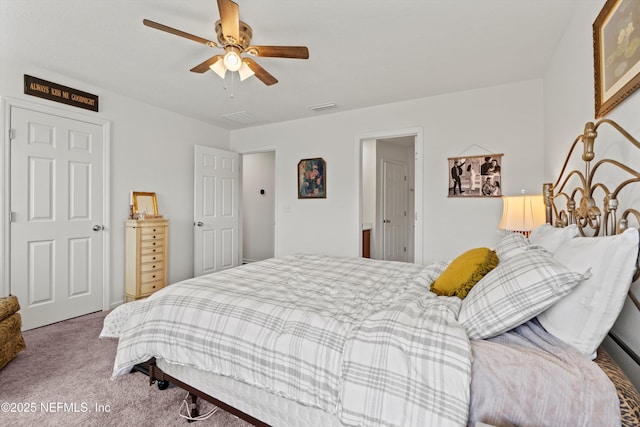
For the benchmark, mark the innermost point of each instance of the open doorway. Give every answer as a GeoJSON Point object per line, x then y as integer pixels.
{"type": "Point", "coordinates": [390, 195]}
{"type": "Point", "coordinates": [258, 206]}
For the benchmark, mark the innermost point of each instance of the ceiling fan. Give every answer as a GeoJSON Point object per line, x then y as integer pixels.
{"type": "Point", "coordinates": [234, 37]}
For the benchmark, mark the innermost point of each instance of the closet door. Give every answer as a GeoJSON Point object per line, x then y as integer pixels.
{"type": "Point", "coordinates": [216, 210]}
{"type": "Point", "coordinates": [57, 205]}
{"type": "Point", "coordinates": [394, 206]}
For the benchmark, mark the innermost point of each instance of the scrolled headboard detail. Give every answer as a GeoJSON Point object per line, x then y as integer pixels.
{"type": "Point", "coordinates": [580, 204]}
{"type": "Point", "coordinates": [589, 198]}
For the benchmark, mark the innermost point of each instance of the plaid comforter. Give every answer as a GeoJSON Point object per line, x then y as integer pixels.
{"type": "Point", "coordinates": [361, 339]}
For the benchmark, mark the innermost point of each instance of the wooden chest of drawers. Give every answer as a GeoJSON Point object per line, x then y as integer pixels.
{"type": "Point", "coordinates": [146, 243]}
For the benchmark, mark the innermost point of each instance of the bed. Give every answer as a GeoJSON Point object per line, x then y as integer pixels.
{"type": "Point", "coordinates": [317, 340]}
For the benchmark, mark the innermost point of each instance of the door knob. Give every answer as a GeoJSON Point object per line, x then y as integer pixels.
{"type": "Point", "coordinates": [200, 223]}
{"type": "Point", "coordinates": [97, 227]}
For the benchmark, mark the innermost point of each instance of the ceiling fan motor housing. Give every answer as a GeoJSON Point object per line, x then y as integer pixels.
{"type": "Point", "coordinates": [245, 36]}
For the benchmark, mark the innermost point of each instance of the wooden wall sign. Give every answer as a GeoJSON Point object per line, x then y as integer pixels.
{"type": "Point", "coordinates": [59, 93]}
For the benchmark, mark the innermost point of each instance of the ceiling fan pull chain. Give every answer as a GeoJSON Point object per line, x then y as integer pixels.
{"type": "Point", "coordinates": [224, 84]}
{"type": "Point", "coordinates": [232, 80]}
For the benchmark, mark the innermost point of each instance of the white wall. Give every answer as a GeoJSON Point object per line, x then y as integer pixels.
{"type": "Point", "coordinates": [569, 90]}
{"type": "Point", "coordinates": [369, 182]}
{"type": "Point", "coordinates": [151, 150]}
{"type": "Point", "coordinates": [506, 119]}
{"type": "Point", "coordinates": [258, 210]}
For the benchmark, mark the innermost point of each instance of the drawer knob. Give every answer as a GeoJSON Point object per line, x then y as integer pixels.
{"type": "Point", "coordinates": [154, 276]}
{"type": "Point", "coordinates": [154, 286]}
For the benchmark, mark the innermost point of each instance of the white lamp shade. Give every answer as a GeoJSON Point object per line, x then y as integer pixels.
{"type": "Point", "coordinates": [522, 213]}
{"type": "Point", "coordinates": [245, 72]}
{"type": "Point", "coordinates": [219, 68]}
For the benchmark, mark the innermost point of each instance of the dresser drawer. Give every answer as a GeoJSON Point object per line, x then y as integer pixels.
{"type": "Point", "coordinates": [151, 276]}
{"type": "Point", "coordinates": [152, 250]}
{"type": "Point", "coordinates": [150, 244]}
{"type": "Point", "coordinates": [154, 236]}
{"type": "Point", "coordinates": [151, 256]}
{"type": "Point", "coordinates": [151, 287]}
{"type": "Point", "coordinates": [151, 266]}
{"type": "Point", "coordinates": [146, 231]}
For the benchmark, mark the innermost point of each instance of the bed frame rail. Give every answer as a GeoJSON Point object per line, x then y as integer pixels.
{"type": "Point", "coordinates": [157, 375]}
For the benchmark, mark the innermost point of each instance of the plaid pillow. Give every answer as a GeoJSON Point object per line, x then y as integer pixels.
{"type": "Point", "coordinates": [518, 289]}
{"type": "Point", "coordinates": [511, 244]}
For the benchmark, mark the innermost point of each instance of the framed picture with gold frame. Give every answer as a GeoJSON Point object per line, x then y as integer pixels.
{"type": "Point", "coordinates": [616, 56]}
{"type": "Point", "coordinates": [145, 204]}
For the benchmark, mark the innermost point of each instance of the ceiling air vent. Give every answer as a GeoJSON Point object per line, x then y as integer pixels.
{"type": "Point", "coordinates": [322, 107]}
{"type": "Point", "coordinates": [240, 117]}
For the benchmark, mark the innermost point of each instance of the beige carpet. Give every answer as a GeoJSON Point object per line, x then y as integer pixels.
{"type": "Point", "coordinates": [63, 378]}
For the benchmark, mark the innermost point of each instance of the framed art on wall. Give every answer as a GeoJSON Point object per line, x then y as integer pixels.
{"type": "Point", "coordinates": [616, 56]}
{"type": "Point", "coordinates": [312, 179]}
{"type": "Point", "coordinates": [475, 176]}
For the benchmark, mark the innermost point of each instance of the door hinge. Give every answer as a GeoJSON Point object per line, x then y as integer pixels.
{"type": "Point", "coordinates": [12, 216]}
{"type": "Point", "coordinates": [404, 249]}
{"type": "Point", "coordinates": [12, 133]}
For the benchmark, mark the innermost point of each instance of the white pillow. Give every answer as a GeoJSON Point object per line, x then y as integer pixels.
{"type": "Point", "coordinates": [514, 292]}
{"type": "Point", "coordinates": [583, 318]}
{"type": "Point", "coordinates": [550, 237]}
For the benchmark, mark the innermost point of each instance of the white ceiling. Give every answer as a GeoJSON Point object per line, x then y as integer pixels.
{"type": "Point", "coordinates": [362, 52]}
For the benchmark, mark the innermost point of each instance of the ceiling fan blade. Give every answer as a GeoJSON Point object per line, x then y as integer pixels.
{"type": "Point", "coordinates": [230, 20]}
{"type": "Point", "coordinates": [297, 52]}
{"type": "Point", "coordinates": [261, 73]}
{"type": "Point", "coordinates": [204, 67]}
{"type": "Point", "coordinates": [180, 33]}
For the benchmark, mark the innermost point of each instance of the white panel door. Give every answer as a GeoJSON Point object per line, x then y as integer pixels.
{"type": "Point", "coordinates": [216, 210]}
{"type": "Point", "coordinates": [56, 232]}
{"type": "Point", "coordinates": [394, 223]}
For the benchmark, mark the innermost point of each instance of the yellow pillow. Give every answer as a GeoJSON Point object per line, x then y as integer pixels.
{"type": "Point", "coordinates": [464, 272]}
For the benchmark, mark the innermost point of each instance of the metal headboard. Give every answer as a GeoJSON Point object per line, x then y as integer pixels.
{"type": "Point", "coordinates": [574, 197]}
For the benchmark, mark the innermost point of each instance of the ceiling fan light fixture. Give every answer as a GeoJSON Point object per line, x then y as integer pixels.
{"type": "Point", "coordinates": [245, 72]}
{"type": "Point", "coordinates": [232, 61]}
{"type": "Point", "coordinates": [219, 68]}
